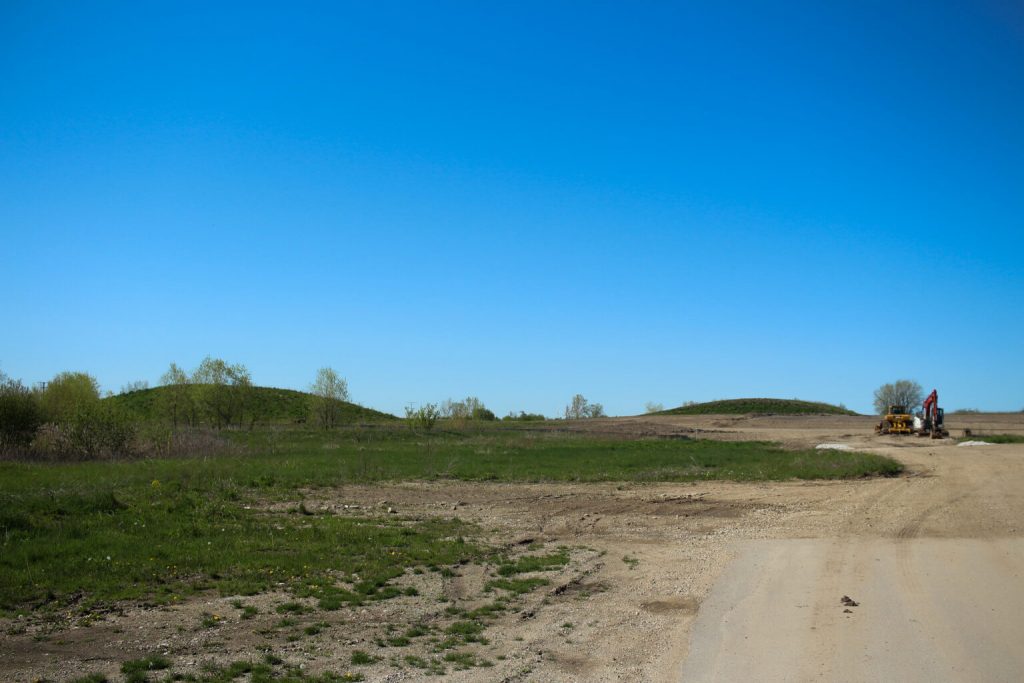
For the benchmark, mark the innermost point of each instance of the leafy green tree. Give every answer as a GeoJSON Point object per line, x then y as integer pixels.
{"type": "Point", "coordinates": [178, 402]}
{"type": "Point", "coordinates": [330, 392]}
{"type": "Point", "coordinates": [68, 392]}
{"type": "Point", "coordinates": [224, 391]}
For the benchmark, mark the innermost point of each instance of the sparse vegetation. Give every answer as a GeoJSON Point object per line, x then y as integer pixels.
{"type": "Point", "coordinates": [996, 438]}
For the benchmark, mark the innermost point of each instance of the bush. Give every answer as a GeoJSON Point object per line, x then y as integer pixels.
{"type": "Point", "coordinates": [482, 413]}
{"type": "Point", "coordinates": [20, 414]}
{"type": "Point", "coordinates": [424, 417]}
{"type": "Point", "coordinates": [91, 432]}
{"type": "Point", "coordinates": [524, 416]}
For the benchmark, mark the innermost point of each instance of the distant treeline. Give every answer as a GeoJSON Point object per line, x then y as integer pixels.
{"type": "Point", "coordinates": [66, 418]}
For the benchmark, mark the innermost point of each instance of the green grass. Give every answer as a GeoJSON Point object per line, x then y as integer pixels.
{"type": "Point", "coordinates": [501, 453]}
{"type": "Point", "coordinates": [535, 563]}
{"type": "Point", "coordinates": [278, 406]}
{"type": "Point", "coordinates": [515, 586]}
{"type": "Point", "coordinates": [137, 670]}
{"type": "Point", "coordinates": [769, 406]}
{"type": "Point", "coordinates": [158, 530]}
{"type": "Point", "coordinates": [104, 533]}
{"type": "Point", "coordinates": [996, 438]}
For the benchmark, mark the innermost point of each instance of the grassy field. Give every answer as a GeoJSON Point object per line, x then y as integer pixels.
{"type": "Point", "coordinates": [158, 530]}
{"type": "Point", "coordinates": [770, 406]}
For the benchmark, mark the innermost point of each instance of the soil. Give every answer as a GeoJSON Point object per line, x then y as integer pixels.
{"type": "Point", "coordinates": [654, 568]}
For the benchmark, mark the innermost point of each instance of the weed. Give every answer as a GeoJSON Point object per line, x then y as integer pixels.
{"type": "Point", "coordinates": [465, 660]}
{"type": "Point", "coordinates": [416, 631]}
{"type": "Point", "coordinates": [210, 620]}
{"type": "Point", "coordinates": [137, 670]}
{"type": "Point", "coordinates": [292, 608]}
{"type": "Point", "coordinates": [631, 562]}
{"type": "Point", "coordinates": [535, 563]}
{"type": "Point", "coordinates": [516, 586]}
{"type": "Point", "coordinates": [361, 658]}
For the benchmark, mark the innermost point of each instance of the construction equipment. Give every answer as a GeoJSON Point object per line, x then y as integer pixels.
{"type": "Point", "coordinates": [929, 422]}
{"type": "Point", "coordinates": [896, 421]}
{"type": "Point", "coordinates": [933, 418]}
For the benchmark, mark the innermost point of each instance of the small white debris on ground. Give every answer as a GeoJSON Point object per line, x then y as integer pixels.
{"type": "Point", "coordinates": [833, 447]}
{"type": "Point", "coordinates": [974, 443]}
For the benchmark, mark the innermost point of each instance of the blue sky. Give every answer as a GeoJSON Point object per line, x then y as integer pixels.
{"type": "Point", "coordinates": [634, 201]}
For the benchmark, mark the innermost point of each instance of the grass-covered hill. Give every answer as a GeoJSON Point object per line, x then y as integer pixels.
{"type": "Point", "coordinates": [283, 406]}
{"type": "Point", "coordinates": [758, 406]}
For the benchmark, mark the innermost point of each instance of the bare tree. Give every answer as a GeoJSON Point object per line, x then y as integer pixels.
{"type": "Point", "coordinates": [330, 391]}
{"type": "Point", "coordinates": [902, 392]}
{"type": "Point", "coordinates": [652, 407]}
{"type": "Point", "coordinates": [581, 409]}
{"type": "Point", "coordinates": [137, 385]}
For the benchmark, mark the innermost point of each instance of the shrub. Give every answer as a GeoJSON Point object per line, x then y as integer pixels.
{"type": "Point", "coordinates": [20, 414]}
{"type": "Point", "coordinates": [482, 413]}
{"type": "Point", "coordinates": [424, 417]}
{"type": "Point", "coordinates": [93, 431]}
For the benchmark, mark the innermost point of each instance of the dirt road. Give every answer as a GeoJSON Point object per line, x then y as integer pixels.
{"type": "Point", "coordinates": [935, 563]}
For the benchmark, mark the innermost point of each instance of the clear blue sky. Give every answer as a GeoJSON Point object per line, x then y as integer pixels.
{"type": "Point", "coordinates": [634, 201]}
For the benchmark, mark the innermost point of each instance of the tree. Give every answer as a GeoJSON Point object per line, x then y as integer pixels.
{"type": "Point", "coordinates": [137, 385]}
{"type": "Point", "coordinates": [471, 408]}
{"type": "Point", "coordinates": [902, 392]}
{"type": "Point", "coordinates": [225, 390]}
{"type": "Point", "coordinates": [330, 391]}
{"type": "Point", "coordinates": [177, 397]}
{"type": "Point", "coordinates": [652, 407]}
{"type": "Point", "coordinates": [67, 393]}
{"type": "Point", "coordinates": [581, 409]}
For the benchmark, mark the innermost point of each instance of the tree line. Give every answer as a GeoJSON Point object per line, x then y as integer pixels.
{"type": "Point", "coordinates": [66, 417]}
